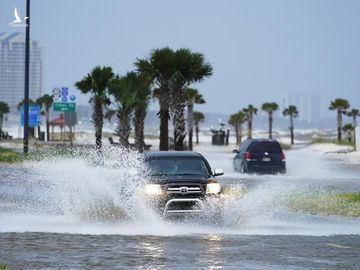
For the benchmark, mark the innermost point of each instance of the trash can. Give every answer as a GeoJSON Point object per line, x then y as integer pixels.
{"type": "Point", "coordinates": [218, 138]}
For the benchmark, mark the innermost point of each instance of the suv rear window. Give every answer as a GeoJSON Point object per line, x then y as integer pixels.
{"type": "Point", "coordinates": [271, 147]}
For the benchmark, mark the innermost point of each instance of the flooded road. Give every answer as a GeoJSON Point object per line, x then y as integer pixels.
{"type": "Point", "coordinates": [204, 251]}
{"type": "Point", "coordinates": [72, 214]}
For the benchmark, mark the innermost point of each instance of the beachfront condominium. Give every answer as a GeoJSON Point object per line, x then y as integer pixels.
{"type": "Point", "coordinates": [307, 105]}
{"type": "Point", "coordinates": [12, 69]}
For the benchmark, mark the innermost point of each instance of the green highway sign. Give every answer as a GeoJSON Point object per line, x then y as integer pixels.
{"type": "Point", "coordinates": [64, 107]}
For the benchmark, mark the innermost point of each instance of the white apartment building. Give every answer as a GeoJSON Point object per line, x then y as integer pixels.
{"type": "Point", "coordinates": [12, 69]}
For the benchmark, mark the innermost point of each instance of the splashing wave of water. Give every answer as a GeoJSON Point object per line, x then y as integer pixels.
{"type": "Point", "coordinates": [89, 193]}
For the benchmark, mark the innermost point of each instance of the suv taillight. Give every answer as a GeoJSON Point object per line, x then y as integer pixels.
{"type": "Point", "coordinates": [282, 156]}
{"type": "Point", "coordinates": [247, 156]}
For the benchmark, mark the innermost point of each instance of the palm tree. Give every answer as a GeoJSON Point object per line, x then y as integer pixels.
{"type": "Point", "coordinates": [270, 108]}
{"type": "Point", "coordinates": [124, 91]}
{"type": "Point", "coordinates": [236, 120]}
{"type": "Point", "coordinates": [96, 83]}
{"type": "Point", "coordinates": [340, 105]}
{"type": "Point", "coordinates": [4, 109]}
{"type": "Point", "coordinates": [250, 111]}
{"type": "Point", "coordinates": [188, 68]}
{"type": "Point", "coordinates": [292, 112]}
{"type": "Point", "coordinates": [142, 99]}
{"type": "Point", "coordinates": [193, 97]}
{"type": "Point", "coordinates": [159, 69]}
{"type": "Point", "coordinates": [21, 103]}
{"type": "Point", "coordinates": [354, 113]}
{"type": "Point", "coordinates": [198, 117]}
{"type": "Point", "coordinates": [46, 101]}
{"type": "Point", "coordinates": [173, 72]}
{"type": "Point", "coordinates": [348, 128]}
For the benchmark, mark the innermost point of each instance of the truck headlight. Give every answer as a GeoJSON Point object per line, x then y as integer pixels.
{"type": "Point", "coordinates": [213, 188]}
{"type": "Point", "coordinates": [153, 189]}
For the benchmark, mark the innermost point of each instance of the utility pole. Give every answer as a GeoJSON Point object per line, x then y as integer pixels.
{"type": "Point", "coordinates": [27, 66]}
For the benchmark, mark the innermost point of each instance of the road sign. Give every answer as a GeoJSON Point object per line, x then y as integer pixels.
{"type": "Point", "coordinates": [64, 107]}
{"type": "Point", "coordinates": [56, 94]}
{"type": "Point", "coordinates": [34, 115]}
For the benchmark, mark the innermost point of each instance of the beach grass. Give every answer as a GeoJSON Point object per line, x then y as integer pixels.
{"type": "Point", "coordinates": [327, 203]}
{"type": "Point", "coordinates": [320, 140]}
{"type": "Point", "coordinates": [285, 146]}
{"type": "Point", "coordinates": [9, 156]}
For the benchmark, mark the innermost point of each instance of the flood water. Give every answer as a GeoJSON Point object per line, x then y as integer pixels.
{"type": "Point", "coordinates": [73, 213]}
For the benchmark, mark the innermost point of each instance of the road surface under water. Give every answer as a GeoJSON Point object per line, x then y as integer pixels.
{"type": "Point", "coordinates": [74, 214]}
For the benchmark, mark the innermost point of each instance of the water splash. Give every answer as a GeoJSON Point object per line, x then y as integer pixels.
{"type": "Point", "coordinates": [90, 186]}
{"type": "Point", "coordinates": [89, 193]}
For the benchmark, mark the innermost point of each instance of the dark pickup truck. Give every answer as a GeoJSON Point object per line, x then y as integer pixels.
{"type": "Point", "coordinates": [183, 184]}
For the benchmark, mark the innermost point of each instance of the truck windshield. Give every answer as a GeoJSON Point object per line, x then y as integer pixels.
{"type": "Point", "coordinates": [178, 166]}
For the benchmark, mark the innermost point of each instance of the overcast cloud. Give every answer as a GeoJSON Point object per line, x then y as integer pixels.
{"type": "Point", "coordinates": [260, 50]}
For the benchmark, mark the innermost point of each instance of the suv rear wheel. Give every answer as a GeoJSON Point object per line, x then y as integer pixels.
{"type": "Point", "coordinates": [242, 168]}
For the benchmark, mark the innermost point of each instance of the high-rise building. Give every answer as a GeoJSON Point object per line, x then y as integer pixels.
{"type": "Point", "coordinates": [12, 69]}
{"type": "Point", "coordinates": [307, 105]}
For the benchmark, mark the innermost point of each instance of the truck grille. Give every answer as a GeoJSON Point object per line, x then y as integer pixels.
{"type": "Point", "coordinates": [184, 190]}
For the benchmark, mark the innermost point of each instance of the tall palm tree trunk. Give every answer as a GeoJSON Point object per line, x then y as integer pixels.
{"type": "Point", "coordinates": [250, 127]}
{"type": "Point", "coordinates": [1, 121]}
{"type": "Point", "coordinates": [123, 129]}
{"type": "Point", "coordinates": [47, 112]}
{"type": "Point", "coordinates": [270, 124]}
{"type": "Point", "coordinates": [197, 132]}
{"type": "Point", "coordinates": [339, 120]}
{"type": "Point", "coordinates": [292, 129]}
{"type": "Point", "coordinates": [191, 125]}
{"type": "Point", "coordinates": [164, 116]}
{"type": "Point", "coordinates": [238, 133]}
{"type": "Point", "coordinates": [179, 127]}
{"type": "Point", "coordinates": [98, 121]}
{"type": "Point", "coordinates": [139, 131]}
{"type": "Point", "coordinates": [178, 107]}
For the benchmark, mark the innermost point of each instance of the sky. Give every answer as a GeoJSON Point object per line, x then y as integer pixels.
{"type": "Point", "coordinates": [260, 49]}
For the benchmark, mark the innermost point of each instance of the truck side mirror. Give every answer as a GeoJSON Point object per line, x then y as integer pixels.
{"type": "Point", "coordinates": [218, 172]}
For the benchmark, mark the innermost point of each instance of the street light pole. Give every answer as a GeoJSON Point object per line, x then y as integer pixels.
{"type": "Point", "coordinates": [27, 66]}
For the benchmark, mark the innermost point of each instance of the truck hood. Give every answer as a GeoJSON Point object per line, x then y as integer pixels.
{"type": "Point", "coordinates": [163, 179]}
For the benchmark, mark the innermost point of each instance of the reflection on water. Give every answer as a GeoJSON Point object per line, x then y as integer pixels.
{"type": "Point", "coordinates": [152, 250]}
{"type": "Point", "coordinates": [197, 251]}
{"type": "Point", "coordinates": [212, 252]}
